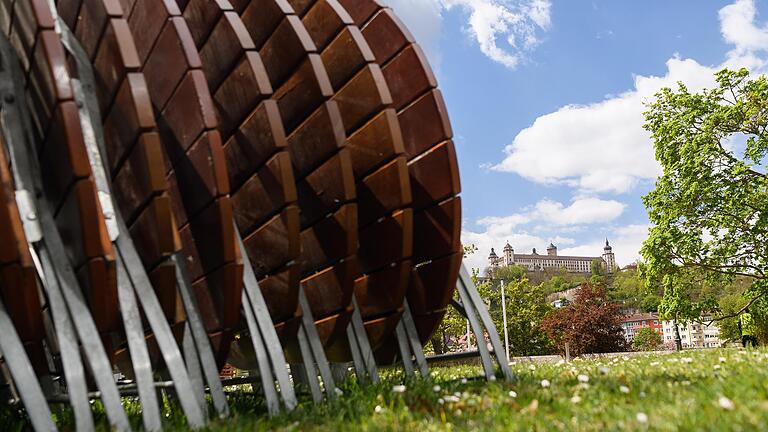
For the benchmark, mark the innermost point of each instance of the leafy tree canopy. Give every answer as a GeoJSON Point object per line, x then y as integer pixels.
{"type": "Point", "coordinates": [591, 324]}
{"type": "Point", "coordinates": [647, 339]}
{"type": "Point", "coordinates": [708, 209]}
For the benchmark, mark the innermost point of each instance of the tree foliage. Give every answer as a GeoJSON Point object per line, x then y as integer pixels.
{"type": "Point", "coordinates": [629, 289]}
{"type": "Point", "coordinates": [708, 207]}
{"type": "Point", "coordinates": [526, 309]}
{"type": "Point", "coordinates": [647, 339]}
{"type": "Point", "coordinates": [591, 324]}
{"type": "Point", "coordinates": [729, 306]}
{"type": "Point", "coordinates": [509, 273]}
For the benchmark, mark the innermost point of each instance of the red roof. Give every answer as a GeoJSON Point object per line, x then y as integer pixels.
{"type": "Point", "coordinates": [640, 317]}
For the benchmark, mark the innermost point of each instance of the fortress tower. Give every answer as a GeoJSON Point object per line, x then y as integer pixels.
{"type": "Point", "coordinates": [609, 258]}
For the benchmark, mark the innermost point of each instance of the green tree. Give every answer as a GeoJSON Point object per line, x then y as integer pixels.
{"type": "Point", "coordinates": [629, 289]}
{"type": "Point", "coordinates": [729, 305]}
{"type": "Point", "coordinates": [646, 339]}
{"type": "Point", "coordinates": [509, 273]}
{"type": "Point", "coordinates": [526, 309]}
{"type": "Point", "coordinates": [596, 268]}
{"type": "Point", "coordinates": [650, 303]}
{"type": "Point", "coordinates": [727, 318]}
{"type": "Point", "coordinates": [708, 207]}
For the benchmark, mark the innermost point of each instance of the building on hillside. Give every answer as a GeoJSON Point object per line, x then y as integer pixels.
{"type": "Point", "coordinates": [563, 298]}
{"type": "Point", "coordinates": [537, 262]}
{"type": "Point", "coordinates": [694, 334]}
{"type": "Point", "coordinates": [634, 322]}
{"type": "Point", "coordinates": [628, 267]}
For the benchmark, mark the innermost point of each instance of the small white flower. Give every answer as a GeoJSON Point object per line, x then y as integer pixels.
{"type": "Point", "coordinates": [512, 394]}
{"type": "Point", "coordinates": [603, 370]}
{"type": "Point", "coordinates": [716, 367]}
{"type": "Point", "coordinates": [726, 403]}
{"type": "Point", "coordinates": [492, 378]}
{"type": "Point", "coordinates": [398, 389]}
{"type": "Point", "coordinates": [451, 398]}
{"type": "Point", "coordinates": [583, 378]}
{"type": "Point", "coordinates": [642, 417]}
{"type": "Point", "coordinates": [722, 359]}
{"type": "Point", "coordinates": [338, 391]}
{"type": "Point", "coordinates": [441, 401]}
{"type": "Point", "coordinates": [625, 358]}
{"type": "Point", "coordinates": [575, 399]}
{"type": "Point", "coordinates": [532, 367]}
{"type": "Point", "coordinates": [545, 383]}
{"type": "Point", "coordinates": [624, 389]}
{"type": "Point", "coordinates": [463, 380]}
{"type": "Point", "coordinates": [687, 360]}
{"type": "Point", "coordinates": [654, 363]}
{"type": "Point", "coordinates": [457, 394]}
{"type": "Point", "coordinates": [436, 388]}
{"type": "Point", "coordinates": [378, 409]}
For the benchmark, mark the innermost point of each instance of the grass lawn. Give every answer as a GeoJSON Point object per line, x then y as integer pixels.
{"type": "Point", "coordinates": [693, 390]}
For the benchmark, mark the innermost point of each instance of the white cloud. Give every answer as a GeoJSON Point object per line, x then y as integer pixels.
{"type": "Point", "coordinates": [496, 231]}
{"type": "Point", "coordinates": [625, 241]}
{"type": "Point", "coordinates": [602, 147]}
{"type": "Point", "coordinates": [737, 24]}
{"type": "Point", "coordinates": [581, 211]}
{"type": "Point", "coordinates": [504, 29]}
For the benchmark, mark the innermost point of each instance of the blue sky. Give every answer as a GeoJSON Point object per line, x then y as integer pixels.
{"type": "Point", "coordinates": [546, 101]}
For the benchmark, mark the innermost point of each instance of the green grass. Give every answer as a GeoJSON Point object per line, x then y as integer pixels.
{"type": "Point", "coordinates": [693, 390]}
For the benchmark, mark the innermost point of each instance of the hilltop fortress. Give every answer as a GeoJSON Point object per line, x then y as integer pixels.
{"type": "Point", "coordinates": [537, 262]}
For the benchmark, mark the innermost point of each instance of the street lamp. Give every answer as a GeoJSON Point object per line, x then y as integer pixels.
{"type": "Point", "coordinates": [504, 319]}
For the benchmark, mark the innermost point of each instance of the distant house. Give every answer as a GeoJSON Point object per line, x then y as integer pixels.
{"type": "Point", "coordinates": [563, 298]}
{"type": "Point", "coordinates": [702, 334]}
{"type": "Point", "coordinates": [634, 322]}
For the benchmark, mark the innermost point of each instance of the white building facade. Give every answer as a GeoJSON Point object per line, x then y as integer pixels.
{"type": "Point", "coordinates": [537, 262]}
{"type": "Point", "coordinates": [694, 334]}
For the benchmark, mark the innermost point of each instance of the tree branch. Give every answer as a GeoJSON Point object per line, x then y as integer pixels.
{"type": "Point", "coordinates": [740, 311]}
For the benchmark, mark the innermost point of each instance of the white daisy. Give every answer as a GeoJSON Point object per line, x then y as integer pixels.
{"type": "Point", "coordinates": [726, 403]}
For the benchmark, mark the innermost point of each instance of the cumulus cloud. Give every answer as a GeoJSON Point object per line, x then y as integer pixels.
{"type": "Point", "coordinates": [602, 147]}
{"type": "Point", "coordinates": [503, 29]}
{"type": "Point", "coordinates": [625, 241]}
{"type": "Point", "coordinates": [737, 25]}
{"type": "Point", "coordinates": [496, 231]}
{"type": "Point", "coordinates": [579, 212]}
